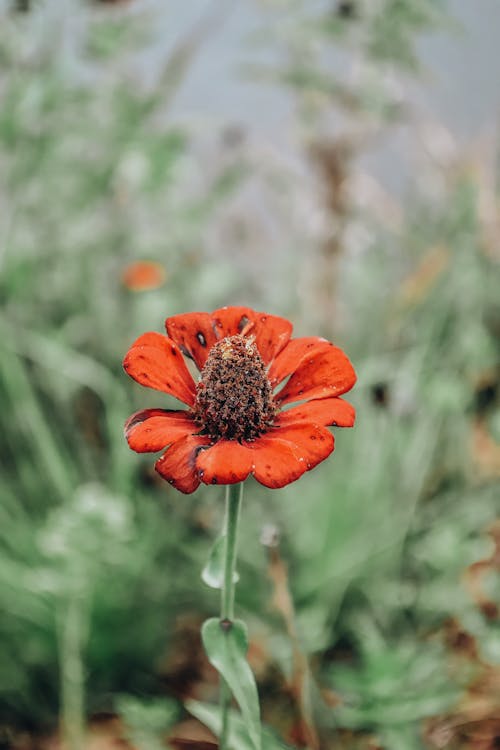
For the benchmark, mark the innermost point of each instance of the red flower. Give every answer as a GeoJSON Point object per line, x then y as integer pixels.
{"type": "Point", "coordinates": [143, 275]}
{"type": "Point", "coordinates": [238, 421]}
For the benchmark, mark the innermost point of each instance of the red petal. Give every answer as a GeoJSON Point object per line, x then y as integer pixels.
{"type": "Point", "coordinates": [311, 443]}
{"type": "Point", "coordinates": [326, 372]}
{"type": "Point", "coordinates": [226, 462]}
{"type": "Point", "coordinates": [194, 333]}
{"type": "Point", "coordinates": [228, 321]}
{"type": "Point", "coordinates": [292, 356]}
{"type": "Point", "coordinates": [178, 464]}
{"type": "Point", "coordinates": [275, 463]}
{"type": "Point", "coordinates": [325, 411]}
{"type": "Point", "coordinates": [156, 362]}
{"type": "Point", "coordinates": [152, 430]}
{"type": "Point", "coordinates": [272, 334]}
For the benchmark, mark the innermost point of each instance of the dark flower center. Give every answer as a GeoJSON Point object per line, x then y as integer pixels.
{"type": "Point", "coordinates": [234, 397]}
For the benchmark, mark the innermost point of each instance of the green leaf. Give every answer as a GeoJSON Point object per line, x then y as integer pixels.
{"type": "Point", "coordinates": [226, 650]}
{"type": "Point", "coordinates": [238, 736]}
{"type": "Point", "coordinates": [213, 572]}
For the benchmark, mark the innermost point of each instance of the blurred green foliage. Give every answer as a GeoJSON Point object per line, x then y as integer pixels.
{"type": "Point", "coordinates": [99, 561]}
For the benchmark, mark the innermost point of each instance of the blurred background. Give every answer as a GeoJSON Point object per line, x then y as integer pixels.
{"type": "Point", "coordinates": [332, 161]}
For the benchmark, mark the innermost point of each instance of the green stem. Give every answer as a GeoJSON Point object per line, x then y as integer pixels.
{"type": "Point", "coordinates": [225, 702]}
{"type": "Point", "coordinates": [234, 493]}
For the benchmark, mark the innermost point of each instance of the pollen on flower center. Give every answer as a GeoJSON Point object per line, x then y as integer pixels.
{"type": "Point", "coordinates": [234, 397]}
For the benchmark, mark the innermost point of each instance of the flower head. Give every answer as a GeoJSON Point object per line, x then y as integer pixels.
{"type": "Point", "coordinates": [143, 275]}
{"type": "Point", "coordinates": [261, 406]}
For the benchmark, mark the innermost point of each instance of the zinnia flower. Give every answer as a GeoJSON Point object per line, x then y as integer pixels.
{"type": "Point", "coordinates": [261, 406]}
{"type": "Point", "coordinates": [143, 275]}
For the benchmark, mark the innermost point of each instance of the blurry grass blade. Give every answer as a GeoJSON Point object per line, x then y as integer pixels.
{"type": "Point", "coordinates": [72, 637]}
{"type": "Point", "coordinates": [147, 720]}
{"type": "Point", "coordinates": [53, 458]}
{"type": "Point", "coordinates": [64, 360]}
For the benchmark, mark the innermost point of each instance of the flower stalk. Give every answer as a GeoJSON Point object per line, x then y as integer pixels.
{"type": "Point", "coordinates": [234, 494]}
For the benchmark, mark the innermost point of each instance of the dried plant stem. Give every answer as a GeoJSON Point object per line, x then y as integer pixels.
{"type": "Point", "coordinates": [302, 680]}
{"type": "Point", "coordinates": [234, 494]}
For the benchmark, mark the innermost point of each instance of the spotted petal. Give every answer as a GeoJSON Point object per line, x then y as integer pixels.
{"type": "Point", "coordinates": [325, 372]}
{"type": "Point", "coordinates": [275, 463]}
{"type": "Point", "coordinates": [155, 361]}
{"type": "Point", "coordinates": [270, 331]}
{"type": "Point", "coordinates": [325, 411]}
{"type": "Point", "coordinates": [178, 463]}
{"type": "Point", "coordinates": [194, 333]}
{"type": "Point", "coordinates": [292, 356]}
{"type": "Point", "coordinates": [272, 334]}
{"type": "Point", "coordinates": [229, 321]}
{"type": "Point", "coordinates": [311, 443]}
{"type": "Point", "coordinates": [151, 430]}
{"type": "Point", "coordinates": [226, 462]}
